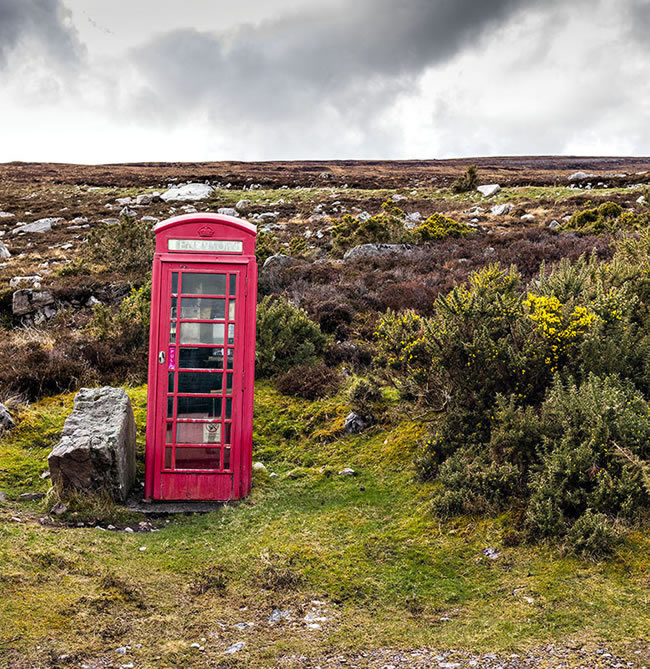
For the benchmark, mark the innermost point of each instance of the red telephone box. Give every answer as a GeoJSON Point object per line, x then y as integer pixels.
{"type": "Point", "coordinates": [201, 359]}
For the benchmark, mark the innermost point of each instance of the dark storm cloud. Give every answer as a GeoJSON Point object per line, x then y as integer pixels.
{"type": "Point", "coordinates": [354, 57]}
{"type": "Point", "coordinates": [40, 24]}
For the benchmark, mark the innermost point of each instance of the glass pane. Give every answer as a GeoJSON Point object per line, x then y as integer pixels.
{"type": "Point", "coordinates": [227, 429]}
{"type": "Point", "coordinates": [198, 458]}
{"type": "Point", "coordinates": [168, 457]}
{"type": "Point", "coordinates": [228, 383]}
{"type": "Point", "coordinates": [174, 282]}
{"type": "Point", "coordinates": [231, 358]}
{"type": "Point", "coordinates": [231, 333]}
{"type": "Point", "coordinates": [204, 308]}
{"type": "Point", "coordinates": [231, 310]}
{"type": "Point", "coordinates": [202, 333]}
{"type": "Point", "coordinates": [170, 407]}
{"type": "Point", "coordinates": [170, 382]}
{"type": "Point", "coordinates": [226, 458]}
{"type": "Point", "coordinates": [200, 382]}
{"type": "Point", "coordinates": [233, 284]}
{"type": "Point", "coordinates": [204, 284]}
{"type": "Point", "coordinates": [172, 332]}
{"type": "Point", "coordinates": [169, 439]}
{"type": "Point", "coordinates": [229, 407]}
{"type": "Point", "coordinates": [199, 407]}
{"type": "Point", "coordinates": [201, 358]}
{"type": "Point", "coordinates": [198, 433]}
{"type": "Point", "coordinates": [172, 314]}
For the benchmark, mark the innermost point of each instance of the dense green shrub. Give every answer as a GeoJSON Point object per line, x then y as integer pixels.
{"type": "Point", "coordinates": [127, 247]}
{"type": "Point", "coordinates": [386, 226]}
{"type": "Point", "coordinates": [542, 390]}
{"type": "Point", "coordinates": [467, 182]}
{"type": "Point", "coordinates": [285, 337]}
{"type": "Point", "coordinates": [266, 245]}
{"type": "Point", "coordinates": [438, 226]}
{"type": "Point", "coordinates": [607, 217]}
{"type": "Point", "coordinates": [365, 396]}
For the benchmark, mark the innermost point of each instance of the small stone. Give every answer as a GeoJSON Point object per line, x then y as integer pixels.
{"type": "Point", "coordinates": [554, 224]}
{"type": "Point", "coordinates": [492, 553]}
{"type": "Point", "coordinates": [59, 509]}
{"type": "Point", "coordinates": [398, 198]}
{"type": "Point", "coordinates": [142, 548]}
{"type": "Point", "coordinates": [195, 645]}
{"type": "Point", "coordinates": [489, 190]}
{"type": "Point", "coordinates": [356, 423]}
{"type": "Point", "coordinates": [259, 467]}
{"type": "Point", "coordinates": [501, 209]}
{"type": "Point", "coordinates": [128, 213]}
{"type": "Point", "coordinates": [528, 217]}
{"type": "Point", "coordinates": [243, 205]}
{"type": "Point", "coordinates": [16, 519]}
{"type": "Point", "coordinates": [128, 529]}
{"type": "Point", "coordinates": [30, 496]}
{"type": "Point", "coordinates": [3, 496]}
{"type": "Point", "coordinates": [278, 615]}
{"type": "Point", "coordinates": [4, 251]}
{"type": "Point", "coordinates": [580, 176]}
{"type": "Point", "coordinates": [6, 420]}
{"type": "Point", "coordinates": [122, 650]}
{"type": "Point", "coordinates": [235, 648]}
{"type": "Point", "coordinates": [347, 471]}
{"type": "Point", "coordinates": [110, 527]}
{"type": "Point", "coordinates": [144, 199]}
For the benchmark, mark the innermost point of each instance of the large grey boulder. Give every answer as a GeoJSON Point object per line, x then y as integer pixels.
{"type": "Point", "coordinates": [97, 448]}
{"type": "Point", "coordinates": [40, 226]}
{"type": "Point", "coordinates": [27, 301]}
{"type": "Point", "coordinates": [188, 192]}
{"type": "Point", "coordinates": [372, 250]}
{"type": "Point", "coordinates": [489, 190]}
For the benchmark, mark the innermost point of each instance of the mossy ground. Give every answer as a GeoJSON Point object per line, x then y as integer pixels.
{"type": "Point", "coordinates": [387, 572]}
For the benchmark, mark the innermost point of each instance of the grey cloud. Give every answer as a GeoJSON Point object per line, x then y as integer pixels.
{"type": "Point", "coordinates": [353, 58]}
{"type": "Point", "coordinates": [40, 24]}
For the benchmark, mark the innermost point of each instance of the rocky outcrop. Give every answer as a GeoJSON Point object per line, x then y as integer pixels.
{"type": "Point", "coordinates": [188, 192]}
{"type": "Point", "coordinates": [27, 301]}
{"type": "Point", "coordinates": [372, 250]}
{"type": "Point", "coordinates": [97, 448]}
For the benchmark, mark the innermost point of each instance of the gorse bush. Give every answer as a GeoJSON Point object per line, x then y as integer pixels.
{"type": "Point", "coordinates": [607, 217]}
{"type": "Point", "coordinates": [388, 227]}
{"type": "Point", "coordinates": [543, 387]}
{"type": "Point", "coordinates": [286, 337]}
{"type": "Point", "coordinates": [467, 182]}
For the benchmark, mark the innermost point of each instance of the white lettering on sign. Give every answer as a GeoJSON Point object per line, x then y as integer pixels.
{"type": "Point", "coordinates": [208, 245]}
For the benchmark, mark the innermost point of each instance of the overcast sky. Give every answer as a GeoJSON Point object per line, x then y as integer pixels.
{"type": "Point", "coordinates": [93, 81]}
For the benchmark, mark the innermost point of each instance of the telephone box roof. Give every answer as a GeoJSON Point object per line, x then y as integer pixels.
{"type": "Point", "coordinates": [239, 223]}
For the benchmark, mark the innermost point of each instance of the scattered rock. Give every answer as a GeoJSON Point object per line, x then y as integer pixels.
{"type": "Point", "coordinates": [243, 205]}
{"type": "Point", "coordinates": [235, 648]}
{"type": "Point", "coordinates": [528, 217]}
{"type": "Point", "coordinates": [279, 260]}
{"type": "Point", "coordinates": [124, 201]}
{"type": "Point", "coordinates": [580, 176]}
{"type": "Point", "coordinates": [27, 301]}
{"type": "Point", "coordinates": [370, 250]}
{"type": "Point", "coordinates": [144, 199]}
{"type": "Point", "coordinates": [492, 553]}
{"type": "Point", "coordinates": [3, 496]}
{"type": "Point", "coordinates": [501, 209]}
{"type": "Point", "coordinates": [188, 192]}
{"type": "Point", "coordinates": [279, 615]}
{"type": "Point", "coordinates": [59, 509]}
{"type": "Point", "coordinates": [6, 214]}
{"type": "Point", "coordinates": [554, 224]}
{"type": "Point", "coordinates": [398, 198]}
{"type": "Point", "coordinates": [6, 420]}
{"type": "Point", "coordinates": [97, 447]}
{"type": "Point", "coordinates": [34, 281]}
{"type": "Point", "coordinates": [40, 226]}
{"type": "Point", "coordinates": [641, 199]}
{"type": "Point", "coordinates": [127, 212]}
{"type": "Point", "coordinates": [347, 471]}
{"type": "Point", "coordinates": [489, 190]}
{"type": "Point", "coordinates": [30, 496]}
{"type": "Point", "coordinates": [4, 251]}
{"type": "Point", "coordinates": [259, 467]}
{"type": "Point", "coordinates": [356, 423]}
{"type": "Point", "coordinates": [228, 211]}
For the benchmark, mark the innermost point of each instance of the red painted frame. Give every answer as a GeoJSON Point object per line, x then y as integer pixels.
{"type": "Point", "coordinates": [207, 484]}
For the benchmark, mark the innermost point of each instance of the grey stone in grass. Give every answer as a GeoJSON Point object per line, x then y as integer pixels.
{"type": "Point", "coordinates": [356, 423]}
{"type": "Point", "coordinates": [228, 211]}
{"type": "Point", "coordinates": [26, 301]}
{"type": "Point", "coordinates": [279, 615]}
{"type": "Point", "coordinates": [31, 496]}
{"type": "Point", "coordinates": [40, 226]}
{"type": "Point", "coordinates": [347, 471]}
{"type": "Point", "coordinates": [6, 420]}
{"type": "Point", "coordinates": [4, 251]}
{"type": "Point", "coordinates": [3, 496]}
{"type": "Point", "coordinates": [235, 648]}
{"type": "Point", "coordinates": [97, 447]}
{"type": "Point", "coordinates": [488, 190]}
{"type": "Point", "coordinates": [501, 209]}
{"type": "Point", "coordinates": [278, 260]}
{"type": "Point", "coordinates": [373, 250]}
{"type": "Point", "coordinates": [187, 192]}
{"type": "Point", "coordinates": [243, 205]}
{"type": "Point", "coordinates": [553, 225]}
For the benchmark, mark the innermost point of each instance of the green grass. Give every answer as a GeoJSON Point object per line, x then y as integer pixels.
{"type": "Point", "coordinates": [368, 546]}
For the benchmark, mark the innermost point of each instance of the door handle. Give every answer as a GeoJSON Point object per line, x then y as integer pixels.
{"type": "Point", "coordinates": [161, 357]}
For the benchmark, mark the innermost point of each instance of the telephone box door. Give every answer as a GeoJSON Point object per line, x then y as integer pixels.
{"type": "Point", "coordinates": [199, 380]}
